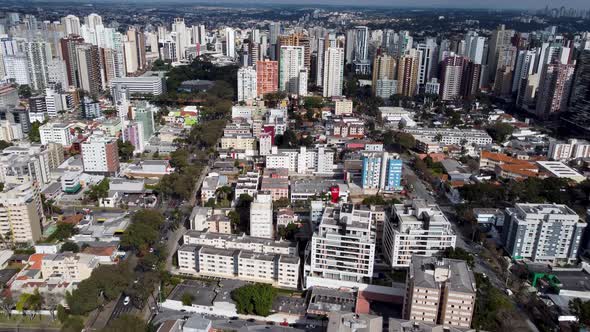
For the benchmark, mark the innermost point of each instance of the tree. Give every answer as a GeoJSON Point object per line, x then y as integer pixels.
{"type": "Point", "coordinates": [405, 140]}
{"type": "Point", "coordinates": [7, 303]}
{"type": "Point", "coordinates": [143, 231]}
{"type": "Point", "coordinates": [581, 309]}
{"type": "Point", "coordinates": [62, 313]}
{"type": "Point", "coordinates": [313, 102]}
{"type": "Point", "coordinates": [500, 131]}
{"type": "Point", "coordinates": [25, 91]}
{"type": "Point", "coordinates": [4, 144]}
{"type": "Point", "coordinates": [125, 150]}
{"type": "Point", "coordinates": [282, 202]}
{"type": "Point", "coordinates": [187, 299]}
{"type": "Point", "coordinates": [288, 232]}
{"type": "Point", "coordinates": [62, 231]}
{"type": "Point", "coordinates": [98, 191]}
{"type": "Point", "coordinates": [73, 324]}
{"type": "Point", "coordinates": [70, 246]}
{"type": "Point", "coordinates": [254, 299]}
{"type": "Point", "coordinates": [459, 253]}
{"type": "Point", "coordinates": [34, 135]}
{"type": "Point", "coordinates": [126, 323]}
{"type": "Point", "coordinates": [30, 302]}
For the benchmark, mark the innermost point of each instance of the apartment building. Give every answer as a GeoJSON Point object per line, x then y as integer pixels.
{"type": "Point", "coordinates": [247, 184]}
{"type": "Point", "coordinates": [382, 171]}
{"type": "Point", "coordinates": [448, 136]}
{"type": "Point", "coordinates": [303, 161]}
{"type": "Point", "coordinates": [30, 161]}
{"type": "Point", "coordinates": [240, 257]}
{"type": "Point", "coordinates": [416, 228]}
{"type": "Point", "coordinates": [572, 149]}
{"type": "Point", "coordinates": [238, 142]}
{"type": "Point", "coordinates": [545, 233]}
{"type": "Point", "coordinates": [278, 187]}
{"type": "Point", "coordinates": [343, 247]}
{"type": "Point", "coordinates": [343, 107]}
{"type": "Point", "coordinates": [56, 133]}
{"type": "Point", "coordinates": [21, 213]}
{"type": "Point", "coordinates": [440, 291]}
{"type": "Point", "coordinates": [261, 224]}
{"type": "Point", "coordinates": [100, 154]}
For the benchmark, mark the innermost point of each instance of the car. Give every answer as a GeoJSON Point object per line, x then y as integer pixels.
{"type": "Point", "coordinates": [182, 310]}
{"type": "Point", "coordinates": [251, 320]}
{"type": "Point", "coordinates": [127, 300]}
{"type": "Point", "coordinates": [233, 318]}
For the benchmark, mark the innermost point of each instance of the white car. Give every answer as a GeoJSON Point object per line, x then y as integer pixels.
{"type": "Point", "coordinates": [126, 300]}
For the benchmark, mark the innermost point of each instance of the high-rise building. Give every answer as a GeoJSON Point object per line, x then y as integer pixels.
{"type": "Point", "coordinates": [381, 171]}
{"type": "Point", "coordinates": [71, 24]}
{"type": "Point", "coordinates": [451, 76]}
{"type": "Point", "coordinates": [384, 68]}
{"type": "Point", "coordinates": [267, 77]}
{"type": "Point", "coordinates": [417, 228]}
{"type": "Point", "coordinates": [92, 21]}
{"type": "Point", "coordinates": [21, 213]}
{"type": "Point", "coordinates": [230, 42]}
{"type": "Point", "coordinates": [543, 233]}
{"type": "Point", "coordinates": [333, 72]}
{"type": "Point", "coordinates": [427, 60]}
{"type": "Point", "coordinates": [440, 291]}
{"type": "Point", "coordinates": [100, 154]}
{"type": "Point", "coordinates": [17, 68]}
{"type": "Point", "coordinates": [247, 83]}
{"type": "Point", "coordinates": [301, 40]}
{"type": "Point", "coordinates": [499, 40]}
{"type": "Point", "coordinates": [89, 68]}
{"type": "Point", "coordinates": [580, 92]}
{"type": "Point", "coordinates": [70, 56]}
{"type": "Point", "coordinates": [291, 67]}
{"type": "Point", "coordinates": [357, 49]}
{"type": "Point", "coordinates": [471, 80]}
{"type": "Point", "coordinates": [343, 247]}
{"type": "Point", "coordinates": [407, 73]}
{"type": "Point", "coordinates": [38, 54]}
{"type": "Point", "coordinates": [554, 88]}
{"type": "Point", "coordinates": [261, 216]}
{"type": "Point", "coordinates": [135, 46]}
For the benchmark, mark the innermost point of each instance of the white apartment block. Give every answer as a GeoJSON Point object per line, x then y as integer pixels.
{"type": "Point", "coordinates": [264, 144]}
{"type": "Point", "coordinates": [27, 162]}
{"type": "Point", "coordinates": [240, 257]}
{"type": "Point", "coordinates": [572, 149]}
{"type": "Point", "coordinates": [343, 107]}
{"type": "Point", "coordinates": [343, 247]}
{"type": "Point", "coordinates": [246, 83]}
{"type": "Point", "coordinates": [450, 136]}
{"type": "Point", "coordinates": [303, 161]}
{"type": "Point", "coordinates": [440, 291]}
{"type": "Point", "coordinates": [247, 184]}
{"type": "Point", "coordinates": [544, 233]}
{"type": "Point", "coordinates": [100, 154]}
{"type": "Point", "coordinates": [261, 216]}
{"type": "Point", "coordinates": [21, 212]}
{"type": "Point", "coordinates": [138, 85]}
{"type": "Point", "coordinates": [55, 133]}
{"type": "Point", "coordinates": [69, 266]}
{"type": "Point", "coordinates": [416, 228]}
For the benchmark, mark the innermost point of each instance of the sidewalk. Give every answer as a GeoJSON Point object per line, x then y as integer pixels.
{"type": "Point", "coordinates": [98, 319]}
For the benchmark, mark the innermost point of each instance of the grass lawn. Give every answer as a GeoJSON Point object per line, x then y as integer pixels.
{"type": "Point", "coordinates": [38, 321]}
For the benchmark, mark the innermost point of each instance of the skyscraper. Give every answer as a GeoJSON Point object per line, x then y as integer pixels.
{"type": "Point", "coordinates": [427, 60]}
{"type": "Point", "coordinates": [89, 68]}
{"type": "Point", "coordinates": [451, 76]}
{"type": "Point", "coordinates": [290, 68]}
{"type": "Point", "coordinates": [384, 68]}
{"type": "Point", "coordinates": [382, 171]}
{"type": "Point", "coordinates": [580, 93]}
{"type": "Point", "coordinates": [71, 24]}
{"type": "Point", "coordinates": [230, 42]}
{"type": "Point", "coordinates": [500, 39]}
{"type": "Point", "coordinates": [267, 77]}
{"type": "Point", "coordinates": [246, 83]}
{"type": "Point", "coordinates": [407, 73]}
{"type": "Point", "coordinates": [333, 72]}
{"type": "Point", "coordinates": [38, 54]}
{"type": "Point", "coordinates": [554, 88]}
{"type": "Point", "coordinates": [68, 49]}
{"type": "Point", "coordinates": [302, 40]}
{"type": "Point", "coordinates": [181, 37]}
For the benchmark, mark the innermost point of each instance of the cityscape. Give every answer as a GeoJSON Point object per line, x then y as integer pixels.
{"type": "Point", "coordinates": [223, 166]}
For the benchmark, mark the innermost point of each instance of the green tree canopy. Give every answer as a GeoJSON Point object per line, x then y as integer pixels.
{"type": "Point", "coordinates": [126, 323]}
{"type": "Point", "coordinates": [125, 150]}
{"type": "Point", "coordinates": [500, 131]}
{"type": "Point", "coordinates": [254, 299]}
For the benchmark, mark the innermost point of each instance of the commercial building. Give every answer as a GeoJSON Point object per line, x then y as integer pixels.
{"type": "Point", "coordinates": [416, 228]}
{"type": "Point", "coordinates": [21, 213]}
{"type": "Point", "coordinates": [352, 322]}
{"type": "Point", "coordinates": [100, 154]}
{"type": "Point", "coordinates": [546, 233]}
{"type": "Point", "coordinates": [559, 170]}
{"type": "Point", "coordinates": [240, 257]}
{"type": "Point", "coordinates": [343, 247]}
{"type": "Point", "coordinates": [440, 291]}
{"type": "Point", "coordinates": [382, 171]}
{"type": "Point", "coordinates": [139, 85]}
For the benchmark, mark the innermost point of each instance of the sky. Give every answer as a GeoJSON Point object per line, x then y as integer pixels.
{"type": "Point", "coordinates": [535, 4]}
